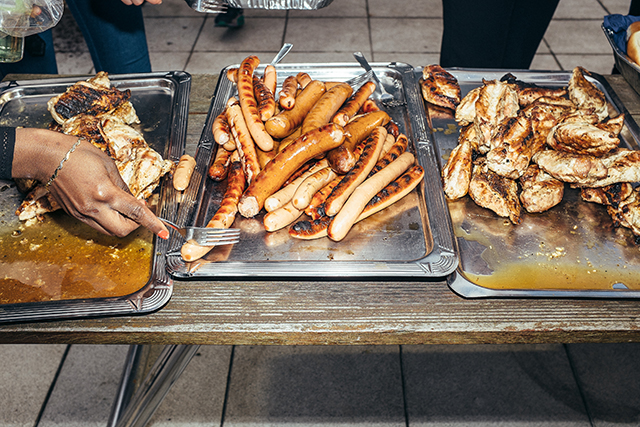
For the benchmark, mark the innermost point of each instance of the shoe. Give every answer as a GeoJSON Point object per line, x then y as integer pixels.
{"type": "Point", "coordinates": [232, 18]}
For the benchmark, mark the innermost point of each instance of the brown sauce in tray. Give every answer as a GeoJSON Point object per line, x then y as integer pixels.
{"type": "Point", "coordinates": [61, 258]}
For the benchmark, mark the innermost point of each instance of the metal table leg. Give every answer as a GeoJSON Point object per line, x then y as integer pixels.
{"type": "Point", "coordinates": [143, 403]}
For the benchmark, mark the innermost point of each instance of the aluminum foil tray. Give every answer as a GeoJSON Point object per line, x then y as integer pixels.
{"type": "Point", "coordinates": [572, 250]}
{"type": "Point", "coordinates": [161, 101]}
{"type": "Point", "coordinates": [411, 239]}
{"type": "Point", "coordinates": [279, 4]}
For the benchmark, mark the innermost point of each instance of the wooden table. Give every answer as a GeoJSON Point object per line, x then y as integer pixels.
{"type": "Point", "coordinates": [340, 312]}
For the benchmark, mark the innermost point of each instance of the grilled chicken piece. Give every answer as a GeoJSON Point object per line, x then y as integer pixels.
{"type": "Point", "coordinates": [611, 195]}
{"type": "Point", "coordinates": [466, 111]}
{"type": "Point", "coordinates": [529, 92]}
{"type": "Point", "coordinates": [90, 128]}
{"type": "Point", "coordinates": [623, 165]}
{"type": "Point", "coordinates": [439, 87]}
{"type": "Point", "coordinates": [514, 144]}
{"type": "Point", "coordinates": [497, 101]}
{"type": "Point", "coordinates": [540, 191]}
{"type": "Point", "coordinates": [456, 174]}
{"type": "Point", "coordinates": [584, 138]}
{"type": "Point", "coordinates": [495, 192]}
{"type": "Point", "coordinates": [582, 115]}
{"type": "Point", "coordinates": [142, 171]}
{"type": "Point", "coordinates": [94, 96]}
{"type": "Point", "coordinates": [585, 94]}
{"type": "Point", "coordinates": [627, 213]}
{"type": "Point", "coordinates": [121, 138]}
{"type": "Point", "coordinates": [580, 169]}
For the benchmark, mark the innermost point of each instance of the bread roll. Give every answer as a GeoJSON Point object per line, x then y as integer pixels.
{"type": "Point", "coordinates": [633, 42]}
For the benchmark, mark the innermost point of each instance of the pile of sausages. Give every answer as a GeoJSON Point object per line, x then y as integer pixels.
{"type": "Point", "coordinates": [315, 148]}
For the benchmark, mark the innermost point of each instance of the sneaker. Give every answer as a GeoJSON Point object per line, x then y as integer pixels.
{"type": "Point", "coordinates": [232, 18]}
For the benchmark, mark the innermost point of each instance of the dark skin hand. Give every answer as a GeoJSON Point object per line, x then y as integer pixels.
{"type": "Point", "coordinates": [88, 186]}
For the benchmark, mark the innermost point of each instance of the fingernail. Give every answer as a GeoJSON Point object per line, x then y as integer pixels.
{"type": "Point", "coordinates": [164, 234]}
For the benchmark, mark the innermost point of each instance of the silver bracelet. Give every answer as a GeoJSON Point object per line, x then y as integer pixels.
{"type": "Point", "coordinates": [64, 159]}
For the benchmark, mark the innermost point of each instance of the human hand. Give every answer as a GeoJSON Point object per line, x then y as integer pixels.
{"type": "Point", "coordinates": [139, 2]}
{"type": "Point", "coordinates": [88, 186]}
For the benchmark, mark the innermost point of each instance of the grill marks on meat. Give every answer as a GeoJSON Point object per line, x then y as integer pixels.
{"type": "Point", "coordinates": [495, 192]}
{"type": "Point", "coordinates": [611, 195]}
{"type": "Point", "coordinates": [94, 96]}
{"type": "Point", "coordinates": [540, 191]}
{"type": "Point", "coordinates": [456, 175]}
{"type": "Point", "coordinates": [439, 87]}
{"type": "Point", "coordinates": [574, 136]}
{"type": "Point", "coordinates": [530, 92]}
{"type": "Point", "coordinates": [585, 94]}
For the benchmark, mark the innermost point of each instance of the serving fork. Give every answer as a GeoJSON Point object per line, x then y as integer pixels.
{"type": "Point", "coordinates": [206, 236]}
{"type": "Point", "coordinates": [208, 6]}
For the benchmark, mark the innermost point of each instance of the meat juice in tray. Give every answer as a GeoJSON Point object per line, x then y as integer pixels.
{"type": "Point", "coordinates": [62, 268]}
{"type": "Point", "coordinates": [411, 238]}
{"type": "Point", "coordinates": [573, 249]}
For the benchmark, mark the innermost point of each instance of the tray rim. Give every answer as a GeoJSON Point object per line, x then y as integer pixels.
{"type": "Point", "coordinates": [462, 286]}
{"type": "Point", "coordinates": [441, 261]}
{"type": "Point", "coordinates": [159, 288]}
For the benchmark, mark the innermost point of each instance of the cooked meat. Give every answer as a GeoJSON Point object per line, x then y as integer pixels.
{"type": "Point", "coordinates": [611, 195]}
{"type": "Point", "coordinates": [466, 111]}
{"type": "Point", "coordinates": [94, 96]}
{"type": "Point", "coordinates": [495, 192]}
{"type": "Point", "coordinates": [529, 92]}
{"type": "Point", "coordinates": [627, 213]}
{"type": "Point", "coordinates": [90, 128]}
{"type": "Point", "coordinates": [587, 115]}
{"type": "Point", "coordinates": [623, 165]}
{"type": "Point", "coordinates": [582, 138]}
{"type": "Point", "coordinates": [496, 102]}
{"type": "Point", "coordinates": [142, 171]}
{"type": "Point", "coordinates": [121, 138]}
{"type": "Point", "coordinates": [439, 87]}
{"type": "Point", "coordinates": [514, 144]}
{"type": "Point", "coordinates": [456, 174]}
{"type": "Point", "coordinates": [581, 169]}
{"type": "Point", "coordinates": [540, 191]}
{"type": "Point", "coordinates": [585, 94]}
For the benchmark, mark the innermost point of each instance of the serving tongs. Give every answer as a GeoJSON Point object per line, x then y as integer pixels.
{"type": "Point", "coordinates": [208, 6]}
{"type": "Point", "coordinates": [380, 93]}
{"type": "Point", "coordinates": [206, 236]}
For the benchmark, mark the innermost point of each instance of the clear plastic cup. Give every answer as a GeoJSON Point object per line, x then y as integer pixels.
{"type": "Point", "coordinates": [11, 48]}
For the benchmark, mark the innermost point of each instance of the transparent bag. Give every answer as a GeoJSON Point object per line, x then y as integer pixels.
{"type": "Point", "coordinates": [21, 18]}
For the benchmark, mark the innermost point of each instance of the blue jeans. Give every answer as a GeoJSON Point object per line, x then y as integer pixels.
{"type": "Point", "coordinates": [114, 33]}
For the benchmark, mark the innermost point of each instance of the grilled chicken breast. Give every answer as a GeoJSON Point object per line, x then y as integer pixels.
{"type": "Point", "coordinates": [585, 94]}
{"type": "Point", "coordinates": [540, 191]}
{"type": "Point", "coordinates": [611, 195]}
{"type": "Point", "coordinates": [439, 87]}
{"type": "Point", "coordinates": [456, 174]}
{"type": "Point", "coordinates": [495, 192]}
{"type": "Point", "coordinates": [580, 169]}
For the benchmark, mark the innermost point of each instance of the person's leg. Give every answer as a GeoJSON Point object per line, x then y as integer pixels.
{"type": "Point", "coordinates": [39, 57]}
{"type": "Point", "coordinates": [475, 34]}
{"type": "Point", "coordinates": [114, 33]}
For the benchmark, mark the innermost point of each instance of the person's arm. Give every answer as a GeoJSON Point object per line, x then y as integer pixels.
{"type": "Point", "coordinates": [139, 2]}
{"type": "Point", "coordinates": [88, 185]}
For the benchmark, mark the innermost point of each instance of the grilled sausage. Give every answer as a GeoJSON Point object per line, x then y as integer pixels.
{"type": "Point", "coordinates": [232, 75]}
{"type": "Point", "coordinates": [358, 174]}
{"type": "Point", "coordinates": [369, 106]}
{"type": "Point", "coordinates": [224, 216]}
{"type": "Point", "coordinates": [284, 123]}
{"type": "Point", "coordinates": [353, 105]}
{"type": "Point", "coordinates": [303, 79]}
{"type": "Point", "coordinates": [285, 194]}
{"type": "Point", "coordinates": [342, 159]}
{"type": "Point", "coordinates": [281, 217]}
{"type": "Point", "coordinates": [265, 99]}
{"type": "Point", "coordinates": [311, 185]}
{"type": "Point", "coordinates": [249, 105]}
{"type": "Point", "coordinates": [220, 128]}
{"type": "Point", "coordinates": [399, 147]}
{"type": "Point", "coordinates": [183, 172]}
{"type": "Point", "coordinates": [326, 107]}
{"type": "Point", "coordinates": [220, 164]}
{"type": "Point", "coordinates": [307, 230]}
{"type": "Point", "coordinates": [344, 220]}
{"type": "Point", "coordinates": [285, 163]}
{"type": "Point", "coordinates": [270, 78]}
{"type": "Point", "coordinates": [287, 95]}
{"type": "Point", "coordinates": [245, 144]}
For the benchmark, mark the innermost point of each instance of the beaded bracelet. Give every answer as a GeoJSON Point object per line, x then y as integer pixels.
{"type": "Point", "coordinates": [64, 159]}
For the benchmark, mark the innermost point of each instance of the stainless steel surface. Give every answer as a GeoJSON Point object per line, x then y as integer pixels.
{"type": "Point", "coordinates": [286, 48]}
{"type": "Point", "coordinates": [553, 250]}
{"type": "Point", "coordinates": [411, 239]}
{"type": "Point", "coordinates": [206, 236]}
{"type": "Point", "coordinates": [380, 93]}
{"type": "Point", "coordinates": [627, 67]}
{"type": "Point", "coordinates": [280, 4]}
{"type": "Point", "coordinates": [161, 101]}
{"type": "Point", "coordinates": [208, 6]}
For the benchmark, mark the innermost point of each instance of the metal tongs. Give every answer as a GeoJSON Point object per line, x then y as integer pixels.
{"type": "Point", "coordinates": [208, 6]}
{"type": "Point", "coordinates": [385, 97]}
{"type": "Point", "coordinates": [206, 236]}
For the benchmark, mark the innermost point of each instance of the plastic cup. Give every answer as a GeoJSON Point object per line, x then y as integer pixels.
{"type": "Point", "coordinates": [11, 48]}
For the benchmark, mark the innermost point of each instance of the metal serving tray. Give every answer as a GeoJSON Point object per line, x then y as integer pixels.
{"type": "Point", "coordinates": [412, 239]}
{"type": "Point", "coordinates": [280, 4]}
{"type": "Point", "coordinates": [161, 101]}
{"type": "Point", "coordinates": [572, 250]}
{"type": "Point", "coordinates": [627, 67]}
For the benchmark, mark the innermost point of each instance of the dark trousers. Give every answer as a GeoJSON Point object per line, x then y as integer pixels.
{"type": "Point", "coordinates": [493, 33]}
